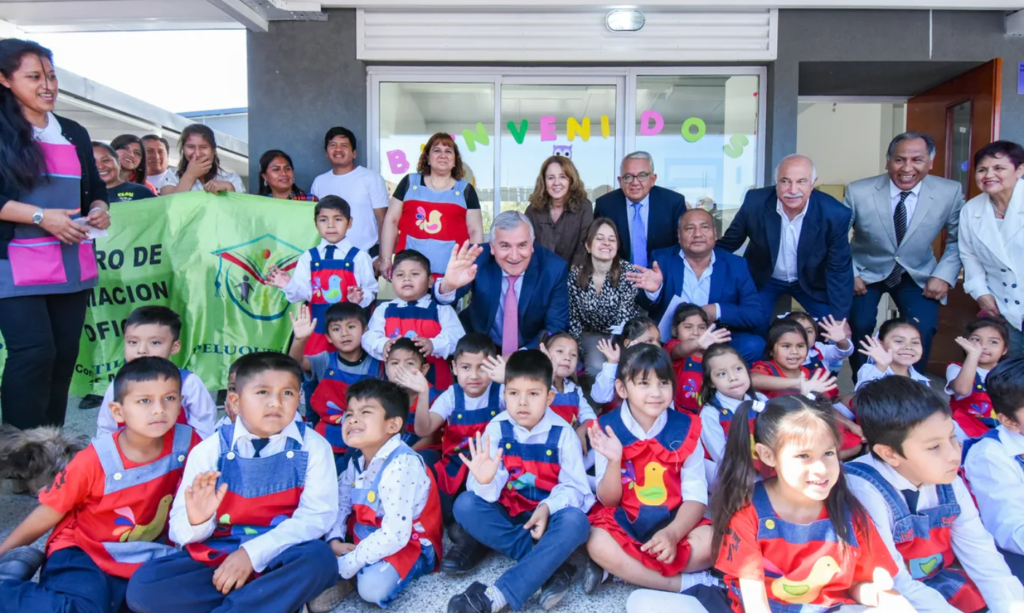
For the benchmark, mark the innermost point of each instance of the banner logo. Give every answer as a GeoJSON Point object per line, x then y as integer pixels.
{"type": "Point", "coordinates": [244, 271]}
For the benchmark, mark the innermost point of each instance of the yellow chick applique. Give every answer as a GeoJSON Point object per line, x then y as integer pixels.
{"type": "Point", "coordinates": [807, 590]}
{"type": "Point", "coordinates": [128, 531]}
{"type": "Point", "coordinates": [653, 492]}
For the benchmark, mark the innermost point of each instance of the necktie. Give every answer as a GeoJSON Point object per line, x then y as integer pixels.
{"type": "Point", "coordinates": [258, 444]}
{"type": "Point", "coordinates": [899, 222]}
{"type": "Point", "coordinates": [638, 236]}
{"type": "Point", "coordinates": [330, 249]}
{"type": "Point", "coordinates": [911, 497]}
{"type": "Point", "coordinates": [510, 319]}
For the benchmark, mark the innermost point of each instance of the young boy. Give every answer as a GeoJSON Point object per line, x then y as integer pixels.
{"type": "Point", "coordinates": [334, 271]}
{"type": "Point", "coordinates": [108, 507]}
{"type": "Point", "coordinates": [154, 331]}
{"type": "Point", "coordinates": [255, 498]}
{"type": "Point", "coordinates": [389, 496]}
{"type": "Point", "coordinates": [333, 371]}
{"type": "Point", "coordinates": [924, 513]}
{"type": "Point", "coordinates": [995, 464]}
{"type": "Point", "coordinates": [434, 327]}
{"type": "Point", "coordinates": [526, 484]}
{"type": "Point", "coordinates": [407, 367]}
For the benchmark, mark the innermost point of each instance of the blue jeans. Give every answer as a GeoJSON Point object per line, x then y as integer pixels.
{"type": "Point", "coordinates": [490, 523]}
{"type": "Point", "coordinates": [380, 584]}
{"type": "Point", "coordinates": [179, 584]}
{"type": "Point", "coordinates": [69, 581]}
{"type": "Point", "coordinates": [923, 312]}
{"type": "Point", "coordinates": [773, 289]}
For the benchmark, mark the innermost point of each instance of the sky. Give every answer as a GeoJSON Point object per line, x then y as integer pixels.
{"type": "Point", "coordinates": [178, 71]}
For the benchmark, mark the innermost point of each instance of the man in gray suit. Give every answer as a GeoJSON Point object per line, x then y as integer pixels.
{"type": "Point", "coordinates": [896, 217]}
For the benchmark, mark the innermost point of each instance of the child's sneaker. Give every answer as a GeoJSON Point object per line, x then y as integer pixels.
{"type": "Point", "coordinates": [473, 600]}
{"type": "Point", "coordinates": [557, 586]}
{"type": "Point", "coordinates": [331, 597]}
{"type": "Point", "coordinates": [20, 563]}
{"type": "Point", "coordinates": [593, 576]}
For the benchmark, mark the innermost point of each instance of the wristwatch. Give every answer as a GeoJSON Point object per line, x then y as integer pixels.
{"type": "Point", "coordinates": [37, 217]}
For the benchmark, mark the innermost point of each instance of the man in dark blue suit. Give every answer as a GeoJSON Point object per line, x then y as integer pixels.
{"type": "Point", "coordinates": [519, 290]}
{"type": "Point", "coordinates": [696, 272]}
{"type": "Point", "coordinates": [644, 213]}
{"type": "Point", "coordinates": [799, 242]}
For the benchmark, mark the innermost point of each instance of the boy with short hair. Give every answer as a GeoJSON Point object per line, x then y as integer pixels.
{"type": "Point", "coordinates": [408, 368]}
{"type": "Point", "coordinates": [333, 371]}
{"type": "Point", "coordinates": [527, 483]}
{"type": "Point", "coordinates": [154, 331]}
{"type": "Point", "coordinates": [388, 529]}
{"type": "Point", "coordinates": [924, 512]}
{"type": "Point", "coordinates": [108, 508]}
{"type": "Point", "coordinates": [334, 271]}
{"type": "Point", "coordinates": [995, 464]}
{"type": "Point", "coordinates": [255, 498]}
{"type": "Point", "coordinates": [434, 327]}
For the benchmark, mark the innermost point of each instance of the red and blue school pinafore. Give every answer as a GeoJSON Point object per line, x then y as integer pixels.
{"type": "Point", "coordinates": [128, 526]}
{"type": "Point", "coordinates": [262, 493]}
{"type": "Point", "coordinates": [651, 487]}
{"type": "Point", "coordinates": [433, 222]}
{"type": "Point", "coordinates": [330, 280]}
{"type": "Point", "coordinates": [463, 425]}
{"type": "Point", "coordinates": [329, 400]}
{"type": "Point", "coordinates": [414, 321]}
{"type": "Point", "coordinates": [689, 380]}
{"type": "Point", "coordinates": [974, 413]}
{"type": "Point", "coordinates": [725, 417]}
{"type": "Point", "coordinates": [924, 539]}
{"type": "Point", "coordinates": [567, 406]}
{"type": "Point", "coordinates": [533, 469]}
{"type": "Point", "coordinates": [410, 437]}
{"type": "Point", "coordinates": [368, 510]}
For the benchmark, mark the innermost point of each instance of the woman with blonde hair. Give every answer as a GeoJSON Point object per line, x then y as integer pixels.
{"type": "Point", "coordinates": [559, 209]}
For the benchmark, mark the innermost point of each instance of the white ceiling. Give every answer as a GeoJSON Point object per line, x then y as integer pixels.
{"type": "Point", "coordinates": [113, 15]}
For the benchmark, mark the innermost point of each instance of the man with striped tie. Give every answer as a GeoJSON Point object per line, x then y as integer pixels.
{"type": "Point", "coordinates": [896, 217]}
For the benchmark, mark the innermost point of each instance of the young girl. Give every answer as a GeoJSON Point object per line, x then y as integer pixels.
{"type": "Point", "coordinates": [985, 345]}
{"type": "Point", "coordinates": [784, 373]}
{"type": "Point", "coordinates": [693, 332]}
{"type": "Point", "coordinates": [650, 482]}
{"type": "Point", "coordinates": [822, 354]}
{"type": "Point", "coordinates": [641, 330]}
{"type": "Point", "coordinates": [894, 352]}
{"type": "Point", "coordinates": [407, 367]}
{"type": "Point", "coordinates": [798, 542]}
{"type": "Point", "coordinates": [726, 386]}
{"type": "Point", "coordinates": [569, 403]}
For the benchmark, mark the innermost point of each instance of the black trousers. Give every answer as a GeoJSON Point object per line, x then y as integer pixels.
{"type": "Point", "coordinates": [42, 334]}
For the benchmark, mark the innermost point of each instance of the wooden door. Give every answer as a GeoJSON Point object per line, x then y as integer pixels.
{"type": "Point", "coordinates": [962, 115]}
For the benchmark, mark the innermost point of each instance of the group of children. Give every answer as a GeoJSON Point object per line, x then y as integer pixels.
{"type": "Point", "coordinates": [714, 485]}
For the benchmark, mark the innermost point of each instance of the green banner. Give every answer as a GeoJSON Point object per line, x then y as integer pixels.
{"type": "Point", "coordinates": [205, 256]}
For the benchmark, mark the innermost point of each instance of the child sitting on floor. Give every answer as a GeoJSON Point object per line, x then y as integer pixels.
{"type": "Point", "coordinates": [641, 330]}
{"type": "Point", "coordinates": [407, 367]}
{"type": "Point", "coordinates": [570, 404]}
{"type": "Point", "coordinates": [693, 332]}
{"type": "Point", "coordinates": [985, 344]}
{"type": "Point", "coordinates": [823, 355]}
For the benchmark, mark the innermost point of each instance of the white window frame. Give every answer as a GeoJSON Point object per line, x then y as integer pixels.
{"type": "Point", "coordinates": [624, 78]}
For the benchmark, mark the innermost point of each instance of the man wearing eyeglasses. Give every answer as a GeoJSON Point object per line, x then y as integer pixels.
{"type": "Point", "coordinates": [645, 214]}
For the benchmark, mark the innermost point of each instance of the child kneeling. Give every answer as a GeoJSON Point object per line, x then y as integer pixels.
{"type": "Point", "coordinates": [256, 497]}
{"type": "Point", "coordinates": [388, 503]}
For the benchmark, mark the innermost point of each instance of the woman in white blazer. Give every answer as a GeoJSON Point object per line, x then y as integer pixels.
{"type": "Point", "coordinates": [992, 236]}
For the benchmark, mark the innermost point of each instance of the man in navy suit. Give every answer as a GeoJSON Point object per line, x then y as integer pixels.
{"type": "Point", "coordinates": [519, 290]}
{"type": "Point", "coordinates": [644, 213]}
{"type": "Point", "coordinates": [697, 272]}
{"type": "Point", "coordinates": [799, 242]}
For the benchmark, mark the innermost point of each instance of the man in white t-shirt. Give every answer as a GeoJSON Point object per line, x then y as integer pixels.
{"type": "Point", "coordinates": [363, 189]}
{"type": "Point", "coordinates": [157, 172]}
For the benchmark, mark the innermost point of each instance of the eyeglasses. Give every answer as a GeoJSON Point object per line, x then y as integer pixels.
{"type": "Point", "coordinates": [642, 177]}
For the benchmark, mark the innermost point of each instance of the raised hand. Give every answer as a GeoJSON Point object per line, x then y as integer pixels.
{"type": "Point", "coordinates": [494, 367]}
{"type": "Point", "coordinates": [713, 335]}
{"type": "Point", "coordinates": [411, 379]}
{"type": "Point", "coordinates": [355, 294]}
{"type": "Point", "coordinates": [972, 348]}
{"type": "Point", "coordinates": [387, 346]}
{"type": "Point", "coordinates": [278, 277]}
{"type": "Point", "coordinates": [609, 350]}
{"type": "Point", "coordinates": [874, 350]}
{"type": "Point", "coordinates": [203, 497]}
{"type": "Point", "coordinates": [480, 463]}
{"type": "Point", "coordinates": [833, 330]}
{"type": "Point", "coordinates": [302, 325]}
{"type": "Point", "coordinates": [605, 442]}
{"type": "Point", "coordinates": [425, 345]}
{"type": "Point", "coordinates": [647, 279]}
{"type": "Point", "coordinates": [461, 269]}
{"type": "Point", "coordinates": [821, 382]}
{"type": "Point", "coordinates": [538, 522]}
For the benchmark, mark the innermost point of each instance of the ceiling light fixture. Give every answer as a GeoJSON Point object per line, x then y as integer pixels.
{"type": "Point", "coordinates": [624, 20]}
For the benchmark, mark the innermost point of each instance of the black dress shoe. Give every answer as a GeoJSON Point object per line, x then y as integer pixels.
{"type": "Point", "coordinates": [592, 576]}
{"type": "Point", "coordinates": [90, 401]}
{"type": "Point", "coordinates": [462, 558]}
{"type": "Point", "coordinates": [473, 600]}
{"type": "Point", "coordinates": [557, 586]}
{"type": "Point", "coordinates": [20, 563]}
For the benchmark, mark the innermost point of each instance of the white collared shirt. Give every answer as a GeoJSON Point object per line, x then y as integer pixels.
{"type": "Point", "coordinates": [444, 343]}
{"type": "Point", "coordinates": [693, 482]}
{"type": "Point", "coordinates": [997, 480]}
{"type": "Point", "coordinates": [201, 413]}
{"type": "Point", "coordinates": [318, 505]}
{"type": "Point", "coordinates": [696, 290]}
{"type": "Point", "coordinates": [911, 202]}
{"type": "Point", "coordinates": [299, 289]}
{"type": "Point", "coordinates": [573, 489]}
{"type": "Point", "coordinates": [786, 269]}
{"type": "Point", "coordinates": [403, 491]}
{"type": "Point", "coordinates": [444, 405]}
{"type": "Point", "coordinates": [829, 353]}
{"type": "Point", "coordinates": [712, 436]}
{"type": "Point", "coordinates": [953, 371]}
{"type": "Point", "coordinates": [972, 544]}
{"type": "Point", "coordinates": [870, 372]}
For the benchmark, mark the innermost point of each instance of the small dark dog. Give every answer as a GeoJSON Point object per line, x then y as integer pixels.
{"type": "Point", "coordinates": [34, 457]}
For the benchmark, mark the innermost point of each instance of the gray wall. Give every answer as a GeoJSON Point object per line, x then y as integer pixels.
{"type": "Point", "coordinates": [303, 79]}
{"type": "Point", "coordinates": [884, 36]}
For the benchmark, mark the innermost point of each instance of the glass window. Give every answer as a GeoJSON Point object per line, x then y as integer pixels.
{"type": "Point", "coordinates": [541, 118]}
{"type": "Point", "coordinates": [411, 112]}
{"type": "Point", "coordinates": [960, 156]}
{"type": "Point", "coordinates": [702, 132]}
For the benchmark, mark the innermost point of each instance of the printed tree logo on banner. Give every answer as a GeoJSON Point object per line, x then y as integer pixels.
{"type": "Point", "coordinates": [244, 275]}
